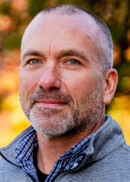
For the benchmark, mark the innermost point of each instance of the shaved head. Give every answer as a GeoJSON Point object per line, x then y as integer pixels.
{"type": "Point", "coordinates": [103, 46]}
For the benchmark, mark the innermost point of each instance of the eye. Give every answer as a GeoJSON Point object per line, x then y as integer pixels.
{"type": "Point", "coordinates": [73, 61]}
{"type": "Point", "coordinates": [33, 61]}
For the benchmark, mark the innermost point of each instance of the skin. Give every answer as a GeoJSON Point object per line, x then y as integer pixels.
{"type": "Point", "coordinates": [60, 75]}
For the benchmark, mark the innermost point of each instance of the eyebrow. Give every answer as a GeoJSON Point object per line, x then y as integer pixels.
{"type": "Point", "coordinates": [73, 52]}
{"type": "Point", "coordinates": [32, 53]}
{"type": "Point", "coordinates": [62, 53]}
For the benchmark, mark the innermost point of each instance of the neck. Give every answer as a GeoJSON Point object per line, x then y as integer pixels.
{"type": "Point", "coordinates": [51, 149]}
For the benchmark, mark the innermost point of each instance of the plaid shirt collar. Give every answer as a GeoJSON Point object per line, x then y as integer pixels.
{"type": "Point", "coordinates": [68, 161]}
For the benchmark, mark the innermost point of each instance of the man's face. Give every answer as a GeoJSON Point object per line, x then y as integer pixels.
{"type": "Point", "coordinates": [60, 80]}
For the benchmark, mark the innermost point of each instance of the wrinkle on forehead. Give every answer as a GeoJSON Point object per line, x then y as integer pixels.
{"type": "Point", "coordinates": [50, 48]}
{"type": "Point", "coordinates": [55, 25]}
{"type": "Point", "coordinates": [82, 20]}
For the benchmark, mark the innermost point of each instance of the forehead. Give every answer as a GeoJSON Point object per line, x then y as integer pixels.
{"type": "Point", "coordinates": [55, 29]}
{"type": "Point", "coordinates": [83, 20]}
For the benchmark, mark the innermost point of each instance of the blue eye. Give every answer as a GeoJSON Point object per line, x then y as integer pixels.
{"type": "Point", "coordinates": [33, 61]}
{"type": "Point", "coordinates": [73, 61]}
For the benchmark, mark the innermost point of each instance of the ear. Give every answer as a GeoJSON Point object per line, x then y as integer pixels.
{"type": "Point", "coordinates": [111, 79]}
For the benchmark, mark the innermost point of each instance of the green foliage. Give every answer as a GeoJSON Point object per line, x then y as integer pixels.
{"type": "Point", "coordinates": [12, 41]}
{"type": "Point", "coordinates": [35, 6]}
{"type": "Point", "coordinates": [118, 32]}
{"type": "Point", "coordinates": [5, 7]}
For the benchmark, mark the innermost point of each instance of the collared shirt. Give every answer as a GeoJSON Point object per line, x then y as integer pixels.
{"type": "Point", "coordinates": [68, 161]}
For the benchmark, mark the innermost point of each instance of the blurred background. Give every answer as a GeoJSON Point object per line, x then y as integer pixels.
{"type": "Point", "coordinates": [14, 17]}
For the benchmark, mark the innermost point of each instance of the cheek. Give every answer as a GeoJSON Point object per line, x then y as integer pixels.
{"type": "Point", "coordinates": [27, 84]}
{"type": "Point", "coordinates": [77, 85]}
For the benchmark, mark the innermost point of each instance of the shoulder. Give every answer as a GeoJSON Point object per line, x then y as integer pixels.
{"type": "Point", "coordinates": [11, 173]}
{"type": "Point", "coordinates": [7, 171]}
{"type": "Point", "coordinates": [114, 166]}
{"type": "Point", "coordinates": [120, 157]}
{"type": "Point", "coordinates": [126, 148]}
{"type": "Point", "coordinates": [10, 170]}
{"type": "Point", "coordinates": [124, 154]}
{"type": "Point", "coordinates": [6, 167]}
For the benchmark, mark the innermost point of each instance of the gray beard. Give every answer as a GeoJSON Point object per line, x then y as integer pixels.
{"type": "Point", "coordinates": [52, 123]}
{"type": "Point", "coordinates": [69, 124]}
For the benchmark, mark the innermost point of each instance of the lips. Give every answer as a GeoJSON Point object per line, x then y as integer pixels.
{"type": "Point", "coordinates": [50, 103]}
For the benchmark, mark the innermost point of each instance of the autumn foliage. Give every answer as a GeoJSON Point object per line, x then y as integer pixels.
{"type": "Point", "coordinates": [14, 17]}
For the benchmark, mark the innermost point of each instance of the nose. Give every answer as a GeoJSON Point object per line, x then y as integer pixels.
{"type": "Point", "coordinates": [49, 79]}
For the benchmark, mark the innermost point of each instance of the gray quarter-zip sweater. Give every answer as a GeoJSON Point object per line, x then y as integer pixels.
{"type": "Point", "coordinates": [107, 159]}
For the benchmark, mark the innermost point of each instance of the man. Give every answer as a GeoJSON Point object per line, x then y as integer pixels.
{"type": "Point", "coordinates": [66, 79]}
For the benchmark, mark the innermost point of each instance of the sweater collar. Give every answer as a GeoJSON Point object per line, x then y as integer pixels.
{"type": "Point", "coordinates": [106, 139]}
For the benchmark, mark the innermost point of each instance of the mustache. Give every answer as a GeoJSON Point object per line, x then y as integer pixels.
{"type": "Point", "coordinates": [41, 93]}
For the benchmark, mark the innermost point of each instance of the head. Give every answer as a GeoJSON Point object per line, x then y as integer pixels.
{"type": "Point", "coordinates": [66, 75]}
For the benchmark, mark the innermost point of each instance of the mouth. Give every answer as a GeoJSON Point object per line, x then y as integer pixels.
{"type": "Point", "coordinates": [51, 103]}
